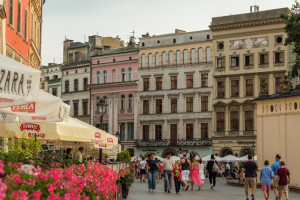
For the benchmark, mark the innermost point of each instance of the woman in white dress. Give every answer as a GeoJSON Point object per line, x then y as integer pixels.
{"type": "Point", "coordinates": [201, 171]}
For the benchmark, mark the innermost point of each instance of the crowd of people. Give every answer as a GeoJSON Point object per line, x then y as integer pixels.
{"type": "Point", "coordinates": [178, 173]}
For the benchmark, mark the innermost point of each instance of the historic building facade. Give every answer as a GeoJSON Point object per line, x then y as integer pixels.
{"type": "Point", "coordinates": [174, 93]}
{"type": "Point", "coordinates": [52, 75]}
{"type": "Point", "coordinates": [250, 59]}
{"type": "Point", "coordinates": [2, 27]}
{"type": "Point", "coordinates": [114, 78]}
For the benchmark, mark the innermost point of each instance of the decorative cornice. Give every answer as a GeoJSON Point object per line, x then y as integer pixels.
{"type": "Point", "coordinates": [116, 84]}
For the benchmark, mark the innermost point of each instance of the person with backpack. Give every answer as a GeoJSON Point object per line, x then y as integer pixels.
{"type": "Point", "coordinates": [212, 168]}
{"type": "Point", "coordinates": [185, 167]}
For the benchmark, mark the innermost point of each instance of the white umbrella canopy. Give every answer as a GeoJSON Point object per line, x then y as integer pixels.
{"type": "Point", "coordinates": [19, 84]}
{"type": "Point", "coordinates": [175, 158]}
{"type": "Point", "coordinates": [245, 158]}
{"type": "Point", "coordinates": [207, 158]}
{"type": "Point", "coordinates": [229, 158]}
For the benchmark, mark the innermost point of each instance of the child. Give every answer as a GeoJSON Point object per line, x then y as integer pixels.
{"type": "Point", "coordinates": [283, 180]}
{"type": "Point", "coordinates": [266, 176]}
{"type": "Point", "coordinates": [177, 177]}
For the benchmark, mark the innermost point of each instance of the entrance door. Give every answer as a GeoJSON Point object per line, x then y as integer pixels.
{"type": "Point", "coordinates": [173, 130]}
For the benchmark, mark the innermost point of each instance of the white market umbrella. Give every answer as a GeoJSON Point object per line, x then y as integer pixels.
{"type": "Point", "coordinates": [245, 158]}
{"type": "Point", "coordinates": [229, 158]}
{"type": "Point", "coordinates": [175, 158]}
{"type": "Point", "coordinates": [207, 158]}
{"type": "Point", "coordinates": [19, 84]}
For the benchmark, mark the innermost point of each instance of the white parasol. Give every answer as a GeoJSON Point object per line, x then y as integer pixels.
{"type": "Point", "coordinates": [207, 158]}
{"type": "Point", "coordinates": [229, 158]}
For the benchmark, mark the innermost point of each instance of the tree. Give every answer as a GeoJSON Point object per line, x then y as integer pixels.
{"type": "Point", "coordinates": [292, 28]}
{"type": "Point", "coordinates": [124, 156]}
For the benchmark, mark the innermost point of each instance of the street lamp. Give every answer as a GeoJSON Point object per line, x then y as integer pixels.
{"type": "Point", "coordinates": [101, 104]}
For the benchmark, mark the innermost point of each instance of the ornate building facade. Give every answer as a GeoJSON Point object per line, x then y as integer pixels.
{"type": "Point", "coordinates": [2, 27]}
{"type": "Point", "coordinates": [174, 93]}
{"type": "Point", "coordinates": [250, 59]}
{"type": "Point", "coordinates": [52, 75]}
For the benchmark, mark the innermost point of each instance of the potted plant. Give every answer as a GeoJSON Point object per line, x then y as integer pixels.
{"type": "Point", "coordinates": [126, 179]}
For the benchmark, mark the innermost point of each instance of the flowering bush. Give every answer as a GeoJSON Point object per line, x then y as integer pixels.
{"type": "Point", "coordinates": [126, 176]}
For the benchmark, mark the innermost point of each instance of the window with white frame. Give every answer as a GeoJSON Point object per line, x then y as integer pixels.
{"type": "Point", "coordinates": [123, 75]}
{"type": "Point", "coordinates": [130, 102]}
{"type": "Point", "coordinates": [129, 74]}
{"type": "Point", "coordinates": [104, 76]}
{"type": "Point", "coordinates": [98, 77]}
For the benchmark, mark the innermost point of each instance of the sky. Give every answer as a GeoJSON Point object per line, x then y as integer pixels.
{"type": "Point", "coordinates": [77, 19]}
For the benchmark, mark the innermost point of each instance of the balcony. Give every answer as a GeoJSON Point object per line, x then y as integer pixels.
{"type": "Point", "coordinates": [172, 142]}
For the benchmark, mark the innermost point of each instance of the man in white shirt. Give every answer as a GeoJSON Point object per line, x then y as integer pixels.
{"type": "Point", "coordinates": [227, 169]}
{"type": "Point", "coordinates": [167, 167]}
{"type": "Point", "coordinates": [78, 155]}
{"type": "Point", "coordinates": [142, 166]}
{"type": "Point", "coordinates": [188, 154]}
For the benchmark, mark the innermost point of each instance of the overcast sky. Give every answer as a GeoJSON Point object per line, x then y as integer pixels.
{"type": "Point", "coordinates": [77, 19]}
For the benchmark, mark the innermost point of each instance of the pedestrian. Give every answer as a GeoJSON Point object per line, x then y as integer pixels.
{"type": "Point", "coordinates": [227, 169]}
{"type": "Point", "coordinates": [69, 154]}
{"type": "Point", "coordinates": [284, 180]}
{"type": "Point", "coordinates": [177, 172]}
{"type": "Point", "coordinates": [159, 170]}
{"type": "Point", "coordinates": [202, 171]}
{"type": "Point", "coordinates": [78, 155]}
{"type": "Point", "coordinates": [275, 166]}
{"type": "Point", "coordinates": [195, 177]}
{"type": "Point", "coordinates": [185, 167]}
{"type": "Point", "coordinates": [188, 155]}
{"type": "Point", "coordinates": [142, 167]}
{"type": "Point", "coordinates": [167, 168]}
{"type": "Point", "coordinates": [222, 171]}
{"type": "Point", "coordinates": [152, 166]}
{"type": "Point", "coordinates": [266, 176]}
{"type": "Point", "coordinates": [250, 176]}
{"type": "Point", "coordinates": [212, 168]}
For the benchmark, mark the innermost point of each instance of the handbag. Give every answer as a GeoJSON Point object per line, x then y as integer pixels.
{"type": "Point", "coordinates": [215, 167]}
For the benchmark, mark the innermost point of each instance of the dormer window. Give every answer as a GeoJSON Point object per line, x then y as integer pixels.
{"type": "Point", "coordinates": [114, 60]}
{"type": "Point", "coordinates": [208, 37]}
{"type": "Point", "coordinates": [174, 40]}
{"type": "Point", "coordinates": [143, 44]}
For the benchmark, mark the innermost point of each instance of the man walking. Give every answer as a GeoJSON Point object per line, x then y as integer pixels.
{"type": "Point", "coordinates": [167, 168]}
{"type": "Point", "coordinates": [250, 176]}
{"type": "Point", "coordinates": [275, 166]}
{"type": "Point", "coordinates": [142, 166]}
{"type": "Point", "coordinates": [185, 167]}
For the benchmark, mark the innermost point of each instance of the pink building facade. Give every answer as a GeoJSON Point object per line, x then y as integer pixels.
{"type": "Point", "coordinates": [114, 78]}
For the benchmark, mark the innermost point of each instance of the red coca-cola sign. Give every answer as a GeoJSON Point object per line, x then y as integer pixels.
{"type": "Point", "coordinates": [32, 127]}
{"type": "Point", "coordinates": [110, 140]}
{"type": "Point", "coordinates": [97, 135]}
{"type": "Point", "coordinates": [29, 108]}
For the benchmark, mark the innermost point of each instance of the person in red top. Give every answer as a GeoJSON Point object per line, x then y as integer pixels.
{"type": "Point", "coordinates": [177, 177]}
{"type": "Point", "coordinates": [283, 180]}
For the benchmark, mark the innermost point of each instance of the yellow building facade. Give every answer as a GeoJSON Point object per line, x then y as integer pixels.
{"type": "Point", "coordinates": [249, 59]}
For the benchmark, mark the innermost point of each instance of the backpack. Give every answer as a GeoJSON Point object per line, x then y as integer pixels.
{"type": "Point", "coordinates": [215, 167]}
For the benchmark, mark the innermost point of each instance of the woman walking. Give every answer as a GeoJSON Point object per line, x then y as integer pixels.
{"type": "Point", "coordinates": [202, 171]}
{"type": "Point", "coordinates": [212, 168]}
{"type": "Point", "coordinates": [195, 177]}
{"type": "Point", "coordinates": [222, 172]}
{"type": "Point", "coordinates": [152, 166]}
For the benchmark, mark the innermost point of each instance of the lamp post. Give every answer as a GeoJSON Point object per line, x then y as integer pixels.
{"type": "Point", "coordinates": [101, 105]}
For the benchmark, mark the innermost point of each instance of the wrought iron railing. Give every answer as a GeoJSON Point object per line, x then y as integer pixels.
{"type": "Point", "coordinates": [172, 142]}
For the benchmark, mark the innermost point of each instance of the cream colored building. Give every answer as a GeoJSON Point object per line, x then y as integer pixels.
{"type": "Point", "coordinates": [249, 58]}
{"type": "Point", "coordinates": [2, 27]}
{"type": "Point", "coordinates": [278, 128]}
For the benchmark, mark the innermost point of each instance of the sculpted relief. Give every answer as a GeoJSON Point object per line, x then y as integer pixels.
{"type": "Point", "coordinates": [249, 43]}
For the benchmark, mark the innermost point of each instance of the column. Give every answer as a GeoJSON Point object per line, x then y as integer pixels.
{"type": "Point", "coordinates": [241, 120]}
{"type": "Point", "coordinates": [271, 84]}
{"type": "Point", "coordinates": [151, 131]}
{"type": "Point", "coordinates": [180, 132]}
{"type": "Point", "coordinates": [152, 108]}
{"type": "Point", "coordinates": [110, 113]}
{"type": "Point", "coordinates": [126, 131]}
{"type": "Point", "coordinates": [116, 111]}
{"type": "Point", "coordinates": [91, 110]}
{"type": "Point", "coordinates": [181, 104]}
{"type": "Point", "coordinates": [135, 113]}
{"type": "Point", "coordinates": [196, 131]}
{"type": "Point", "coordinates": [80, 111]}
{"type": "Point", "coordinates": [197, 101]}
{"type": "Point", "coordinates": [166, 104]}
{"type": "Point", "coordinates": [227, 117]}
{"type": "Point", "coordinates": [165, 130]}
{"type": "Point", "coordinates": [242, 87]}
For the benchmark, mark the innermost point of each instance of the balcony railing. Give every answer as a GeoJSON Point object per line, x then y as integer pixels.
{"type": "Point", "coordinates": [172, 142]}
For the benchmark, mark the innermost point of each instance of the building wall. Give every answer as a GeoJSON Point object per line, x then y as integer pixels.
{"type": "Point", "coordinates": [52, 75]}
{"type": "Point", "coordinates": [2, 28]}
{"type": "Point", "coordinates": [278, 133]}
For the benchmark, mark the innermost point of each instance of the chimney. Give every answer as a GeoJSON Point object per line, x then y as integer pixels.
{"type": "Point", "coordinates": [254, 8]}
{"type": "Point", "coordinates": [67, 44]}
{"type": "Point", "coordinates": [178, 31]}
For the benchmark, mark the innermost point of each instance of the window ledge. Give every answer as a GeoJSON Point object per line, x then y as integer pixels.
{"type": "Point", "coordinates": [248, 67]}
{"type": "Point", "coordinates": [11, 26]}
{"type": "Point", "coordinates": [234, 68]}
{"type": "Point", "coordinates": [263, 66]}
{"type": "Point", "coordinates": [219, 69]}
{"type": "Point", "coordinates": [278, 64]}
{"type": "Point", "coordinates": [19, 34]}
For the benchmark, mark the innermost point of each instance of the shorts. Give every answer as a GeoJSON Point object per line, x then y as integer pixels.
{"type": "Point", "coordinates": [275, 181]}
{"type": "Point", "coordinates": [185, 175]}
{"type": "Point", "coordinates": [265, 187]}
{"type": "Point", "coordinates": [283, 188]}
{"type": "Point", "coordinates": [143, 171]}
{"type": "Point", "coordinates": [250, 182]}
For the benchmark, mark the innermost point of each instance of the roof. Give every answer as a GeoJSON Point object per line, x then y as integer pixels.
{"type": "Point", "coordinates": [76, 45]}
{"type": "Point", "coordinates": [76, 63]}
{"type": "Point", "coordinates": [117, 51]}
{"type": "Point", "coordinates": [293, 93]}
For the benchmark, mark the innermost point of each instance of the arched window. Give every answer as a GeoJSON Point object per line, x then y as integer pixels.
{"type": "Point", "coordinates": [98, 77]}
{"type": "Point", "coordinates": [150, 60]}
{"type": "Point", "coordinates": [164, 58]}
{"type": "Point", "coordinates": [157, 59]}
{"type": "Point", "coordinates": [200, 54]}
{"type": "Point", "coordinates": [208, 37]}
{"type": "Point", "coordinates": [104, 76]}
{"type": "Point", "coordinates": [171, 58]}
{"type": "Point", "coordinates": [185, 56]}
{"type": "Point", "coordinates": [193, 56]}
{"type": "Point", "coordinates": [208, 54]}
{"type": "Point", "coordinates": [129, 74]}
{"type": "Point", "coordinates": [96, 102]}
{"type": "Point", "coordinates": [130, 100]}
{"type": "Point", "coordinates": [123, 75]}
{"type": "Point", "coordinates": [122, 131]}
{"type": "Point", "coordinates": [178, 57]}
{"type": "Point", "coordinates": [143, 60]}
{"type": "Point", "coordinates": [174, 40]}
{"type": "Point", "coordinates": [122, 105]}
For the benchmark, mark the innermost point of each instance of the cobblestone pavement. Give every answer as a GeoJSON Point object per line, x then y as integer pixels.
{"type": "Point", "coordinates": [138, 191]}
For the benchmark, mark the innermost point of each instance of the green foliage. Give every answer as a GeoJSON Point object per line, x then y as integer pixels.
{"type": "Point", "coordinates": [128, 179]}
{"type": "Point", "coordinates": [124, 156]}
{"type": "Point", "coordinates": [292, 28]}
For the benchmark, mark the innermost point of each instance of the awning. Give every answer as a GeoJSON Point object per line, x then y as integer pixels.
{"type": "Point", "coordinates": [229, 158]}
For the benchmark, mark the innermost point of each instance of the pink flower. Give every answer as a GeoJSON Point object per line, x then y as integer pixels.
{"type": "Point", "coordinates": [19, 195]}
{"type": "Point", "coordinates": [3, 188]}
{"type": "Point", "coordinates": [1, 167]}
{"type": "Point", "coordinates": [37, 195]}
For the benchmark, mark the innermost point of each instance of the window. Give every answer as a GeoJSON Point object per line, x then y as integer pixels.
{"type": "Point", "coordinates": [54, 91]}
{"type": "Point", "coordinates": [11, 12]}
{"type": "Point", "coordinates": [249, 60]}
{"type": "Point", "coordinates": [185, 56]}
{"type": "Point", "coordinates": [173, 82]}
{"type": "Point", "coordinates": [220, 89]}
{"type": "Point", "coordinates": [204, 103]}
{"type": "Point", "coordinates": [200, 55]}
{"type": "Point", "coordinates": [158, 106]}
{"type": "Point", "coordinates": [143, 60]}
{"type": "Point", "coordinates": [158, 83]}
{"type": "Point", "coordinates": [178, 57]}
{"type": "Point", "coordinates": [104, 76]}
{"type": "Point", "coordinates": [220, 62]}
{"type": "Point", "coordinates": [189, 81]}
{"type": "Point", "coordinates": [19, 17]}
{"type": "Point", "coordinates": [70, 57]}
{"type": "Point", "coordinates": [264, 59]}
{"type": "Point", "coordinates": [130, 58]}
{"type": "Point", "coordinates": [129, 74]}
{"type": "Point", "coordinates": [98, 61]}
{"type": "Point", "coordinates": [189, 104]}
{"type": "Point", "coordinates": [122, 132]}
{"type": "Point", "coordinates": [264, 85]}
{"type": "Point", "coordinates": [85, 83]}
{"type": "Point", "coordinates": [235, 61]}
{"type": "Point", "coordinates": [208, 37]}
{"type": "Point", "coordinates": [208, 54]}
{"type": "Point", "coordinates": [234, 88]}
{"type": "Point", "coordinates": [158, 132]}
{"type": "Point", "coordinates": [66, 86]}
{"type": "Point", "coordinates": [96, 102]}
{"type": "Point", "coordinates": [143, 44]}
{"type": "Point", "coordinates": [85, 107]}
{"type": "Point", "coordinates": [75, 105]}
{"type": "Point", "coordinates": [130, 131]}
{"type": "Point", "coordinates": [173, 134]}
{"type": "Point", "coordinates": [193, 56]}
{"type": "Point", "coordinates": [279, 84]}
{"type": "Point", "coordinates": [75, 71]}
{"type": "Point", "coordinates": [122, 106]}
{"type": "Point", "coordinates": [26, 25]}
{"type": "Point", "coordinates": [189, 132]}
{"type": "Point", "coordinates": [157, 59]}
{"type": "Point", "coordinates": [123, 75]}
{"type": "Point", "coordinates": [171, 58]}
{"type": "Point", "coordinates": [150, 60]}
{"type": "Point", "coordinates": [98, 77]}
{"type": "Point", "coordinates": [220, 122]}
{"type": "Point", "coordinates": [249, 87]}
{"type": "Point", "coordinates": [146, 84]}
{"type": "Point", "coordinates": [248, 120]}
{"type": "Point", "coordinates": [105, 127]}
{"type": "Point", "coordinates": [204, 80]}
{"type": "Point", "coordinates": [47, 78]}
{"type": "Point", "coordinates": [204, 131]}
{"type": "Point", "coordinates": [279, 57]}
{"type": "Point", "coordinates": [130, 100]}
{"type": "Point", "coordinates": [173, 105]}
{"type": "Point", "coordinates": [234, 120]}
{"type": "Point", "coordinates": [145, 106]}
{"type": "Point", "coordinates": [76, 85]}
{"type": "Point", "coordinates": [55, 77]}
{"type": "Point", "coordinates": [145, 132]}
{"type": "Point", "coordinates": [220, 46]}
{"type": "Point", "coordinates": [67, 72]}
{"type": "Point", "coordinates": [76, 56]}
{"type": "Point", "coordinates": [164, 58]}
{"type": "Point", "coordinates": [114, 60]}
{"type": "Point", "coordinates": [174, 40]}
